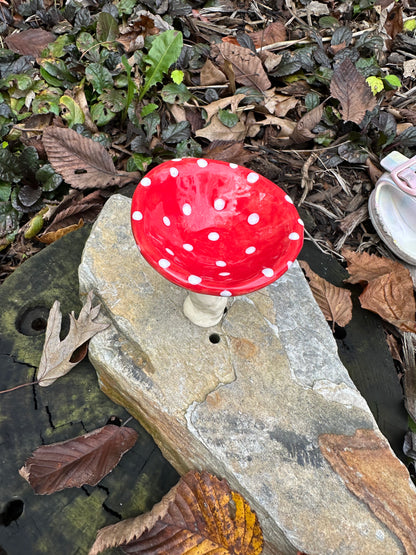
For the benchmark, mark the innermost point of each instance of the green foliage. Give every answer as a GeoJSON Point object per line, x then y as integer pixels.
{"type": "Point", "coordinates": [164, 52]}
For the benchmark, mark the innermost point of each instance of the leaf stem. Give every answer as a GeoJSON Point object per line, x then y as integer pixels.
{"type": "Point", "coordinates": [19, 386]}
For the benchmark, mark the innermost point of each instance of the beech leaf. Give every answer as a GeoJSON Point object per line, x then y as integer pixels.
{"type": "Point", "coordinates": [349, 86]}
{"type": "Point", "coordinates": [199, 515]}
{"type": "Point", "coordinates": [82, 162]}
{"type": "Point", "coordinates": [247, 66]}
{"type": "Point", "coordinates": [389, 289]}
{"type": "Point", "coordinates": [29, 42]}
{"type": "Point", "coordinates": [365, 462]}
{"type": "Point", "coordinates": [334, 302]}
{"type": "Point", "coordinates": [82, 460]}
{"type": "Point", "coordinates": [56, 356]}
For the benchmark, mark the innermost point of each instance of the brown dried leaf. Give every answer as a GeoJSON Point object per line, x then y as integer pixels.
{"type": "Point", "coordinates": [232, 101]}
{"type": "Point", "coordinates": [364, 267]}
{"type": "Point", "coordinates": [389, 292]}
{"type": "Point", "coordinates": [334, 302]}
{"type": "Point", "coordinates": [369, 469]}
{"type": "Point", "coordinates": [303, 129]}
{"type": "Point", "coordinates": [51, 236]}
{"type": "Point", "coordinates": [73, 206]}
{"type": "Point", "coordinates": [56, 354]}
{"type": "Point", "coordinates": [217, 131]}
{"type": "Point", "coordinates": [274, 32]}
{"type": "Point", "coordinates": [391, 297]}
{"type": "Point", "coordinates": [349, 86]}
{"type": "Point", "coordinates": [211, 74]}
{"type": "Point", "coordinates": [30, 42]}
{"type": "Point", "coordinates": [247, 67]}
{"type": "Point", "coordinates": [82, 162]}
{"type": "Point", "coordinates": [83, 460]}
{"type": "Point", "coordinates": [230, 152]}
{"type": "Point", "coordinates": [199, 515]}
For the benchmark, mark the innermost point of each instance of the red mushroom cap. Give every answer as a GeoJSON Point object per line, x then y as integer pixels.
{"type": "Point", "coordinates": [213, 227]}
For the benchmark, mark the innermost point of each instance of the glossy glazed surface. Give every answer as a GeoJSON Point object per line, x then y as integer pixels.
{"type": "Point", "coordinates": [214, 227]}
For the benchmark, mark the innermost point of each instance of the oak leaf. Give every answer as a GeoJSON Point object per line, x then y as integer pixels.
{"type": "Point", "coordinates": [56, 356]}
{"type": "Point", "coordinates": [247, 66]}
{"type": "Point", "coordinates": [199, 515]}
{"type": "Point", "coordinates": [389, 289]}
{"type": "Point", "coordinates": [349, 86]}
{"type": "Point", "coordinates": [370, 470]}
{"type": "Point", "coordinates": [82, 162]}
{"type": "Point", "coordinates": [334, 302]}
{"type": "Point", "coordinates": [82, 460]}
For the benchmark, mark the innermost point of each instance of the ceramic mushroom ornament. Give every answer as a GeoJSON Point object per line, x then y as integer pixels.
{"type": "Point", "coordinates": [216, 229]}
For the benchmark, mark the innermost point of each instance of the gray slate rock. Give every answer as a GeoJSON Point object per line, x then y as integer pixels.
{"type": "Point", "coordinates": [249, 408]}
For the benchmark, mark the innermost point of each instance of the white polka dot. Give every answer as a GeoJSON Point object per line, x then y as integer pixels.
{"type": "Point", "coordinates": [176, 159]}
{"type": "Point", "coordinates": [225, 294]}
{"type": "Point", "coordinates": [233, 166]}
{"type": "Point", "coordinates": [213, 236]}
{"type": "Point", "coordinates": [268, 272]}
{"type": "Point", "coordinates": [300, 221]}
{"type": "Point", "coordinates": [250, 250]}
{"type": "Point", "coordinates": [169, 251]}
{"type": "Point", "coordinates": [166, 221]}
{"type": "Point", "coordinates": [187, 209]}
{"type": "Point", "coordinates": [294, 236]}
{"type": "Point", "coordinates": [289, 264]}
{"type": "Point", "coordinates": [253, 219]}
{"type": "Point", "coordinates": [202, 163]}
{"type": "Point", "coordinates": [252, 177]}
{"type": "Point", "coordinates": [221, 263]}
{"type": "Point", "coordinates": [137, 216]}
{"type": "Point", "coordinates": [288, 199]}
{"type": "Point", "coordinates": [145, 182]}
{"type": "Point", "coordinates": [194, 280]}
{"type": "Point", "coordinates": [219, 203]}
{"type": "Point", "coordinates": [163, 263]}
{"type": "Point", "coordinates": [188, 247]}
{"type": "Point", "coordinates": [224, 273]}
{"type": "Point", "coordinates": [174, 172]}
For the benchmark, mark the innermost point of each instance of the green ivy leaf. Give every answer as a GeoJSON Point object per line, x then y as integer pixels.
{"type": "Point", "coordinates": [138, 162]}
{"type": "Point", "coordinates": [188, 148]}
{"type": "Point", "coordinates": [172, 93]}
{"type": "Point", "coordinates": [393, 81]}
{"type": "Point", "coordinates": [9, 219]}
{"type": "Point", "coordinates": [9, 169]}
{"type": "Point", "coordinates": [5, 190]}
{"type": "Point", "coordinates": [114, 99]}
{"type": "Point", "coordinates": [57, 48]}
{"type": "Point", "coordinates": [177, 132]}
{"type": "Point", "coordinates": [100, 114]}
{"type": "Point", "coordinates": [229, 119]}
{"type": "Point", "coordinates": [126, 6]}
{"type": "Point", "coordinates": [49, 179]}
{"type": "Point", "coordinates": [99, 77]}
{"type": "Point", "coordinates": [164, 52]}
{"type": "Point", "coordinates": [177, 76]}
{"type": "Point", "coordinates": [107, 27]}
{"type": "Point", "coordinates": [148, 109]}
{"type": "Point", "coordinates": [72, 113]}
{"type": "Point", "coordinates": [312, 100]}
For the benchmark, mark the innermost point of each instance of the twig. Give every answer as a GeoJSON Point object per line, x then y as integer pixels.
{"type": "Point", "coordinates": [307, 182]}
{"type": "Point", "coordinates": [19, 386]}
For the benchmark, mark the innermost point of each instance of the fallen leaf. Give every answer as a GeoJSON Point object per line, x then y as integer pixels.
{"type": "Point", "coordinates": [409, 69]}
{"type": "Point", "coordinates": [211, 74]}
{"type": "Point", "coordinates": [286, 126]}
{"type": "Point", "coordinates": [364, 267]}
{"type": "Point", "coordinates": [370, 470]}
{"type": "Point", "coordinates": [349, 86]}
{"type": "Point", "coordinates": [200, 515]}
{"type": "Point", "coordinates": [217, 105]}
{"type": "Point", "coordinates": [393, 22]}
{"type": "Point", "coordinates": [229, 151]}
{"type": "Point", "coordinates": [217, 131]}
{"type": "Point", "coordinates": [274, 32]}
{"type": "Point", "coordinates": [56, 354]}
{"type": "Point", "coordinates": [30, 42]}
{"type": "Point", "coordinates": [394, 347]}
{"type": "Point", "coordinates": [51, 236]}
{"type": "Point", "coordinates": [391, 297]}
{"type": "Point", "coordinates": [247, 66]}
{"type": "Point", "coordinates": [373, 171]}
{"type": "Point", "coordinates": [389, 289]}
{"type": "Point", "coordinates": [83, 460]}
{"type": "Point", "coordinates": [82, 162]}
{"type": "Point", "coordinates": [334, 302]}
{"type": "Point", "coordinates": [303, 129]}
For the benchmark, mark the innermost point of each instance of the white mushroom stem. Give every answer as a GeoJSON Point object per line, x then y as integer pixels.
{"type": "Point", "coordinates": [204, 310]}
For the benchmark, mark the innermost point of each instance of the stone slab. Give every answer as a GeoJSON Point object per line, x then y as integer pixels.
{"type": "Point", "coordinates": [249, 408]}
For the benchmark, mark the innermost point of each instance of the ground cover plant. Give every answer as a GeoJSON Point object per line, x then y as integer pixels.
{"type": "Point", "coordinates": [310, 94]}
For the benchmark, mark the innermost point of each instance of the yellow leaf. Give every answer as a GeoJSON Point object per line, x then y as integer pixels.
{"type": "Point", "coordinates": [375, 83]}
